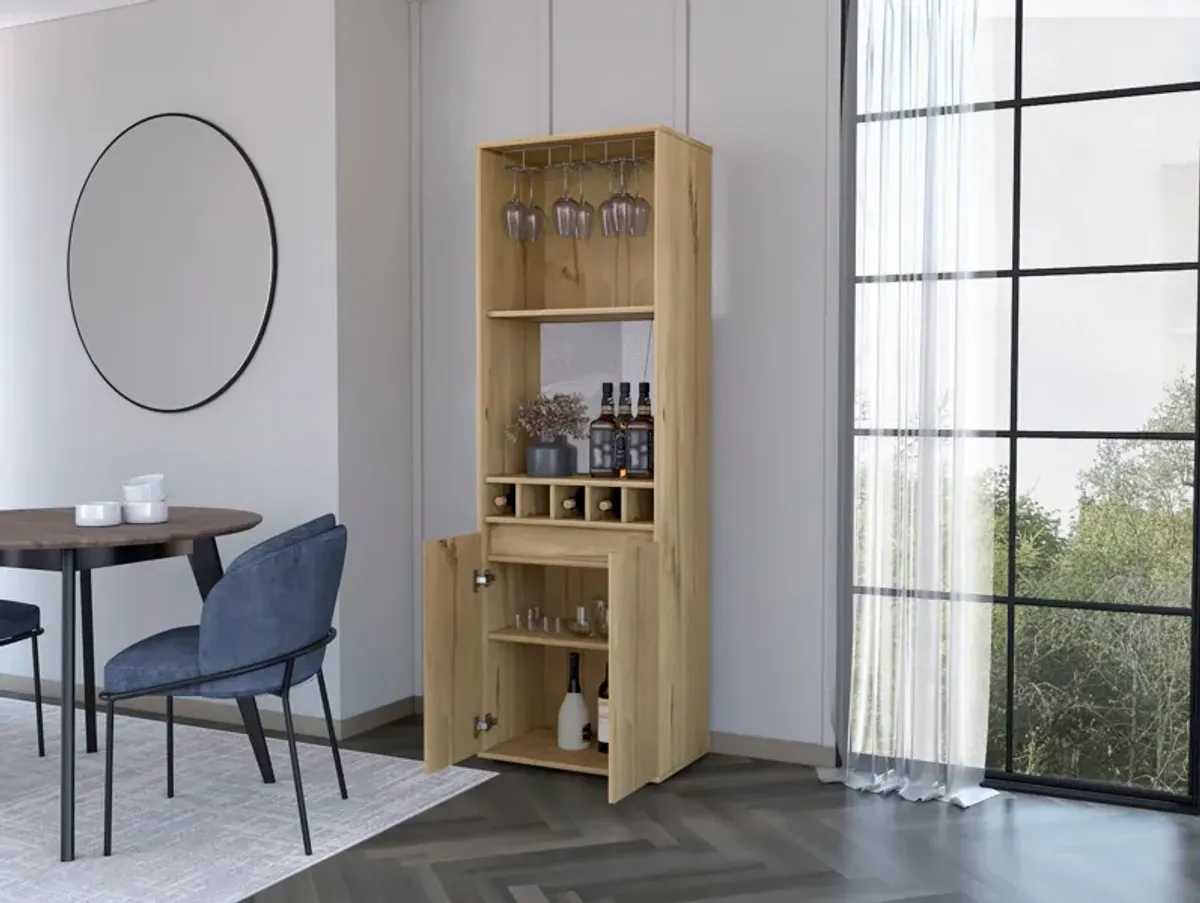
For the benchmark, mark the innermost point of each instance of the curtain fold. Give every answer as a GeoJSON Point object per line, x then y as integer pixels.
{"type": "Point", "coordinates": [924, 368]}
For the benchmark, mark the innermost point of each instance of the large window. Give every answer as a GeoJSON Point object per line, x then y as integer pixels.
{"type": "Point", "coordinates": [1081, 272]}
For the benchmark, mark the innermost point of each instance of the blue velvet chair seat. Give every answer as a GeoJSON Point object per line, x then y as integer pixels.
{"type": "Point", "coordinates": [17, 618]}
{"type": "Point", "coordinates": [175, 655]}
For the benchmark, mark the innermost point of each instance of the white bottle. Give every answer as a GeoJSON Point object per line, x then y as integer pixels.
{"type": "Point", "coordinates": [573, 713]}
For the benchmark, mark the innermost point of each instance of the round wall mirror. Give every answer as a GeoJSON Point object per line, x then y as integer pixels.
{"type": "Point", "coordinates": [171, 262]}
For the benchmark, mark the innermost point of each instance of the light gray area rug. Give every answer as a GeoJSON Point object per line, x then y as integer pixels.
{"type": "Point", "coordinates": [224, 837]}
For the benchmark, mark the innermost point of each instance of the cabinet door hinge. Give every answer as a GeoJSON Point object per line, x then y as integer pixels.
{"type": "Point", "coordinates": [484, 723]}
{"type": "Point", "coordinates": [483, 579]}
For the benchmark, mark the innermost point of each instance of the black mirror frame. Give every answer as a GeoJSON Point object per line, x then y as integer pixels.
{"type": "Point", "coordinates": [266, 318]}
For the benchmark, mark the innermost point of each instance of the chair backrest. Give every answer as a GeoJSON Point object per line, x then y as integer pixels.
{"type": "Point", "coordinates": [314, 527]}
{"type": "Point", "coordinates": [275, 603]}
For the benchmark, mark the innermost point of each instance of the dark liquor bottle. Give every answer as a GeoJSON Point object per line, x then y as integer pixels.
{"type": "Point", "coordinates": [640, 437]}
{"type": "Point", "coordinates": [602, 437]}
{"type": "Point", "coordinates": [621, 439]}
{"type": "Point", "coordinates": [602, 719]}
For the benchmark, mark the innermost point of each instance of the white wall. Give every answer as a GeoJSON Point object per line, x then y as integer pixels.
{"type": "Point", "coordinates": [263, 70]}
{"type": "Point", "coordinates": [374, 379]}
{"type": "Point", "coordinates": [755, 79]}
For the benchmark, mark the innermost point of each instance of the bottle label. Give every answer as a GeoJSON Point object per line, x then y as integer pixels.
{"type": "Point", "coordinates": [601, 448]}
{"type": "Point", "coordinates": [620, 451]}
{"type": "Point", "coordinates": [602, 720]}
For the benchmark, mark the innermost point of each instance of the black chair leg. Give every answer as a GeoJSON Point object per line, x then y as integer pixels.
{"type": "Point", "coordinates": [170, 747]}
{"type": "Point", "coordinates": [333, 744]}
{"type": "Point", "coordinates": [108, 780]}
{"type": "Point", "coordinates": [37, 697]}
{"type": "Point", "coordinates": [291, 738]}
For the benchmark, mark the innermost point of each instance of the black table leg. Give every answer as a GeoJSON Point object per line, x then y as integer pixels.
{"type": "Point", "coordinates": [89, 659]}
{"type": "Point", "coordinates": [67, 765]}
{"type": "Point", "coordinates": [206, 568]}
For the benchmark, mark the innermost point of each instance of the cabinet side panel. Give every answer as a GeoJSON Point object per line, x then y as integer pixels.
{"type": "Point", "coordinates": [682, 352]}
{"type": "Point", "coordinates": [453, 650]}
{"type": "Point", "coordinates": [635, 650]}
{"type": "Point", "coordinates": [509, 374]}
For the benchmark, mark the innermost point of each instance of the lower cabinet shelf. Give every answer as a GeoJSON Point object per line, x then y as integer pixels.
{"type": "Point", "coordinates": [540, 747]}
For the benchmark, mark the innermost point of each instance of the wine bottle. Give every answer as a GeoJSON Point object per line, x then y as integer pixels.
{"type": "Point", "coordinates": [640, 437]}
{"type": "Point", "coordinates": [506, 502]}
{"type": "Point", "coordinates": [611, 506]}
{"type": "Point", "coordinates": [573, 503]}
{"type": "Point", "coordinates": [602, 719]}
{"type": "Point", "coordinates": [573, 713]}
{"type": "Point", "coordinates": [620, 437]}
{"type": "Point", "coordinates": [601, 435]}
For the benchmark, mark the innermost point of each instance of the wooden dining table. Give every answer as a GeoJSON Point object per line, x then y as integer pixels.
{"type": "Point", "coordinates": [47, 539]}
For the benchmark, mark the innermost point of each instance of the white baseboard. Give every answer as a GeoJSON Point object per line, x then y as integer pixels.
{"type": "Point", "coordinates": [792, 751]}
{"type": "Point", "coordinates": [308, 726]}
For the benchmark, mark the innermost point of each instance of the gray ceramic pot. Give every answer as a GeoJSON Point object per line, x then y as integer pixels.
{"type": "Point", "coordinates": [553, 458]}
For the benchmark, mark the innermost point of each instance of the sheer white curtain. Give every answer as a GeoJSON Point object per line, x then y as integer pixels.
{"type": "Point", "coordinates": [925, 368]}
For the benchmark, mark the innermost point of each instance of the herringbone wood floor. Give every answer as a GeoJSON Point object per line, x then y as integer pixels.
{"type": "Point", "coordinates": [731, 830]}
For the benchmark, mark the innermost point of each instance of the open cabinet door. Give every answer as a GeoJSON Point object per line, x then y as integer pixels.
{"type": "Point", "coordinates": [453, 646]}
{"type": "Point", "coordinates": [633, 669]}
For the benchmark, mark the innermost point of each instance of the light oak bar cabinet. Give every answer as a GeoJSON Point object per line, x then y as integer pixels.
{"type": "Point", "coordinates": [494, 691]}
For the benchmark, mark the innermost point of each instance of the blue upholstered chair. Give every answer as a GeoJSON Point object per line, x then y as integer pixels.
{"type": "Point", "coordinates": [21, 621]}
{"type": "Point", "coordinates": [263, 630]}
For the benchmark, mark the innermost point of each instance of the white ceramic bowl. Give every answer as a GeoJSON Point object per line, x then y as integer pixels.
{"type": "Point", "coordinates": [145, 512]}
{"type": "Point", "coordinates": [147, 488]}
{"type": "Point", "coordinates": [98, 514]}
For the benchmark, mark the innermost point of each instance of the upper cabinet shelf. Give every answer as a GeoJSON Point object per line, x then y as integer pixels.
{"type": "Point", "coordinates": [575, 314]}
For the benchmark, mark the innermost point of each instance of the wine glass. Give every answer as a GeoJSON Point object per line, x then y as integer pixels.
{"type": "Point", "coordinates": [623, 204]}
{"type": "Point", "coordinates": [608, 222]}
{"type": "Point", "coordinates": [640, 223]}
{"type": "Point", "coordinates": [585, 213]}
{"type": "Point", "coordinates": [514, 210]}
{"type": "Point", "coordinates": [566, 210]}
{"type": "Point", "coordinates": [533, 217]}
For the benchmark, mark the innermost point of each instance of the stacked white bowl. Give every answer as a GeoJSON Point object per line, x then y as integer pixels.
{"type": "Point", "coordinates": [145, 500]}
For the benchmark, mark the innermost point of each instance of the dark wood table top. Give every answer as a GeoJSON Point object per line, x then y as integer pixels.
{"type": "Point", "coordinates": [54, 528]}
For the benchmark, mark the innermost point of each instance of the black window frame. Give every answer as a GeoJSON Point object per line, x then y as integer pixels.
{"type": "Point", "coordinates": [1007, 778]}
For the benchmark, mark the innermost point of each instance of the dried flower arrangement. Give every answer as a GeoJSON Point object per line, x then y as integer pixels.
{"type": "Point", "coordinates": [550, 417]}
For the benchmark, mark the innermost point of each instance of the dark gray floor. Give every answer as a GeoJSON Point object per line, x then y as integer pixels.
{"type": "Point", "coordinates": [739, 831]}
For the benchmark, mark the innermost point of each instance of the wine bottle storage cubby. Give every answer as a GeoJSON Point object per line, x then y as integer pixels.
{"type": "Point", "coordinates": [504, 500]}
{"type": "Point", "coordinates": [533, 501]}
{"type": "Point", "coordinates": [580, 501]}
{"type": "Point", "coordinates": [568, 502]}
{"type": "Point", "coordinates": [604, 504]}
{"type": "Point", "coordinates": [493, 684]}
{"type": "Point", "coordinates": [637, 505]}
